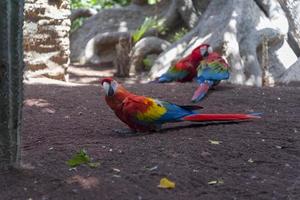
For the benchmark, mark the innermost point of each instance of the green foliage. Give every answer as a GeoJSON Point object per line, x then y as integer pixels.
{"type": "Point", "coordinates": [97, 4]}
{"type": "Point", "coordinates": [149, 23]}
{"type": "Point", "coordinates": [178, 35]}
{"type": "Point", "coordinates": [151, 2]}
{"type": "Point", "coordinates": [82, 158]}
{"type": "Point", "coordinates": [147, 63]}
{"type": "Point", "coordinates": [76, 24]}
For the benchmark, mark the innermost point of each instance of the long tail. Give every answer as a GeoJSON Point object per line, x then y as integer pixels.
{"type": "Point", "coordinates": [220, 117]}
{"type": "Point", "coordinates": [200, 92]}
{"type": "Point", "coordinates": [164, 79]}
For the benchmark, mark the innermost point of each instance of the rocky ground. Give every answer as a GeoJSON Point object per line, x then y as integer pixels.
{"type": "Point", "coordinates": [253, 160]}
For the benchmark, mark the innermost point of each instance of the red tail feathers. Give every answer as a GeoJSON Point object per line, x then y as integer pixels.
{"type": "Point", "coordinates": [200, 92]}
{"type": "Point", "coordinates": [219, 117]}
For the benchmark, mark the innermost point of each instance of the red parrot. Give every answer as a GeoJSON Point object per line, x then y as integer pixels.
{"type": "Point", "coordinates": [147, 114]}
{"type": "Point", "coordinates": [186, 68]}
{"type": "Point", "coordinates": [211, 70]}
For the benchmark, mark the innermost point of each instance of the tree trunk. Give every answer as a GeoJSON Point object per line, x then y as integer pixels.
{"type": "Point", "coordinates": [144, 47]}
{"type": "Point", "coordinates": [233, 22]}
{"type": "Point", "coordinates": [83, 12]}
{"type": "Point", "coordinates": [292, 11]}
{"type": "Point", "coordinates": [11, 73]}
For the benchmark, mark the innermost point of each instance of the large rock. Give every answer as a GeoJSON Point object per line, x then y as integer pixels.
{"type": "Point", "coordinates": [88, 42]}
{"type": "Point", "coordinates": [46, 38]}
{"type": "Point", "coordinates": [107, 21]}
{"type": "Point", "coordinates": [292, 74]}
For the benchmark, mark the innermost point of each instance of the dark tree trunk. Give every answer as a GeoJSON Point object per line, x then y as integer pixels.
{"type": "Point", "coordinates": [11, 72]}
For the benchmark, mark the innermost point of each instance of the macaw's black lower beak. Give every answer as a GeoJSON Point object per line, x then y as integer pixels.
{"type": "Point", "coordinates": [110, 91]}
{"type": "Point", "coordinates": [206, 54]}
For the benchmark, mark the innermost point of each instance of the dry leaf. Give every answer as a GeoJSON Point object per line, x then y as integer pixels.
{"type": "Point", "coordinates": [214, 142]}
{"type": "Point", "coordinates": [116, 170]}
{"type": "Point", "coordinates": [166, 184]}
{"type": "Point", "coordinates": [214, 182]}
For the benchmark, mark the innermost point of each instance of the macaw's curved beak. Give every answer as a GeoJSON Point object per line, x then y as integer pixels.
{"type": "Point", "coordinates": [109, 91]}
{"type": "Point", "coordinates": [206, 54]}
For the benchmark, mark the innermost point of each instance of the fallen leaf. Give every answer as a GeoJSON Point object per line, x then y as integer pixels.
{"type": "Point", "coordinates": [152, 168]}
{"type": "Point", "coordinates": [166, 184]}
{"type": "Point", "coordinates": [212, 182]}
{"type": "Point", "coordinates": [82, 158]}
{"type": "Point", "coordinates": [216, 182]}
{"type": "Point", "coordinates": [116, 170]}
{"type": "Point", "coordinates": [93, 164]}
{"type": "Point", "coordinates": [79, 158]}
{"type": "Point", "coordinates": [214, 142]}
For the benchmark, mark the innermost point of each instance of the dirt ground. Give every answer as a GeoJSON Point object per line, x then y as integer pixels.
{"type": "Point", "coordinates": [255, 160]}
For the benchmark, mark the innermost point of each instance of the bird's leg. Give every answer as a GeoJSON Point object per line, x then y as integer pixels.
{"type": "Point", "coordinates": [125, 131]}
{"type": "Point", "coordinates": [215, 84]}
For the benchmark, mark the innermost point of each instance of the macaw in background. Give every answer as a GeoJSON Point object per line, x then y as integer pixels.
{"type": "Point", "coordinates": [211, 70]}
{"type": "Point", "coordinates": [185, 70]}
{"type": "Point", "coordinates": [147, 114]}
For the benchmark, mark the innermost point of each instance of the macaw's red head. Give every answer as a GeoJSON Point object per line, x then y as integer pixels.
{"type": "Point", "coordinates": [205, 49]}
{"type": "Point", "coordinates": [110, 86]}
{"type": "Point", "coordinates": [202, 51]}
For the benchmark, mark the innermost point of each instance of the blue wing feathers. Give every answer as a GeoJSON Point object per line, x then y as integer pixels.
{"type": "Point", "coordinates": [176, 112]}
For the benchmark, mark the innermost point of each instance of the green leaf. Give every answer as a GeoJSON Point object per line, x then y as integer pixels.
{"type": "Point", "coordinates": [178, 35]}
{"type": "Point", "coordinates": [149, 22]}
{"type": "Point", "coordinates": [151, 2]}
{"type": "Point", "coordinates": [79, 158]}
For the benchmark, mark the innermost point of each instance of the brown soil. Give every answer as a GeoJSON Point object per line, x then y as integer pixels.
{"type": "Point", "coordinates": [256, 160]}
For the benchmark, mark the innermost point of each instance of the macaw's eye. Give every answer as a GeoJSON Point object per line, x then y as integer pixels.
{"type": "Point", "coordinates": [202, 51]}
{"type": "Point", "coordinates": [114, 85]}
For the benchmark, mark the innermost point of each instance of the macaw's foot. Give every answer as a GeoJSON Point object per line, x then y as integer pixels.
{"type": "Point", "coordinates": [124, 131]}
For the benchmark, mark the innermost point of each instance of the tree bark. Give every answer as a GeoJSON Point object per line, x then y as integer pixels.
{"type": "Point", "coordinates": [114, 21]}
{"type": "Point", "coordinates": [75, 14]}
{"type": "Point", "coordinates": [292, 11]}
{"type": "Point", "coordinates": [233, 22]}
{"type": "Point", "coordinates": [144, 47]}
{"type": "Point", "coordinates": [11, 73]}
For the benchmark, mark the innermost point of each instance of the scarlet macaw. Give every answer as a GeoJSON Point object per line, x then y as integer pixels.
{"type": "Point", "coordinates": [147, 114]}
{"type": "Point", "coordinates": [211, 70]}
{"type": "Point", "coordinates": [185, 69]}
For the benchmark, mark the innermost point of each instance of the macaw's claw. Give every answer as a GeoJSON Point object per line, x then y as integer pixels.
{"type": "Point", "coordinates": [124, 131]}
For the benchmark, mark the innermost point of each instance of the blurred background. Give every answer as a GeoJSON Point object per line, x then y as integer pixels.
{"type": "Point", "coordinates": [82, 40]}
